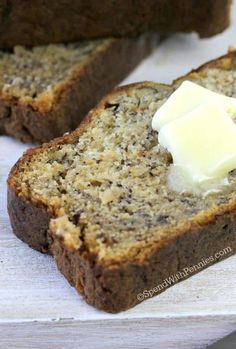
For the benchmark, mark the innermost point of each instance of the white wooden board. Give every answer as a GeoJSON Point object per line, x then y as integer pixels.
{"type": "Point", "coordinates": [38, 309]}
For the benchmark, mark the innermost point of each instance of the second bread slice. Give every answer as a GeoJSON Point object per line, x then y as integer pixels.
{"type": "Point", "coordinates": [46, 91]}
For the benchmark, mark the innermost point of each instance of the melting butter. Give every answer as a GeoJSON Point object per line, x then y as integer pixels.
{"type": "Point", "coordinates": [186, 98]}
{"type": "Point", "coordinates": [200, 134]}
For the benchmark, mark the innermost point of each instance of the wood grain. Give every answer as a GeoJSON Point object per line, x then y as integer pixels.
{"type": "Point", "coordinates": [150, 333]}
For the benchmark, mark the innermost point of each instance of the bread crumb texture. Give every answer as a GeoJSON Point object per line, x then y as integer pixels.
{"type": "Point", "coordinates": [34, 75]}
{"type": "Point", "coordinates": [109, 187]}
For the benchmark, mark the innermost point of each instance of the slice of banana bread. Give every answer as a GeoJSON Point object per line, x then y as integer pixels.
{"type": "Point", "coordinates": [46, 91]}
{"type": "Point", "coordinates": [41, 22]}
{"type": "Point", "coordinates": [117, 230]}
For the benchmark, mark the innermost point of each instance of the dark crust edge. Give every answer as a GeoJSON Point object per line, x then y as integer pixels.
{"type": "Point", "coordinates": [31, 24]}
{"type": "Point", "coordinates": [114, 287]}
{"type": "Point", "coordinates": [38, 123]}
{"type": "Point", "coordinates": [30, 223]}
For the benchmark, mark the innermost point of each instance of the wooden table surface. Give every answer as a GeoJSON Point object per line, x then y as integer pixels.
{"type": "Point", "coordinates": [38, 308]}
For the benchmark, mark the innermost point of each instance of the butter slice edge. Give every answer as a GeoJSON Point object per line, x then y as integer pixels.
{"type": "Point", "coordinates": [183, 100]}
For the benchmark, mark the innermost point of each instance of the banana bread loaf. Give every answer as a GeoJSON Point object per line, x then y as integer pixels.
{"type": "Point", "coordinates": [46, 91]}
{"type": "Point", "coordinates": [116, 228]}
{"type": "Point", "coordinates": [25, 22]}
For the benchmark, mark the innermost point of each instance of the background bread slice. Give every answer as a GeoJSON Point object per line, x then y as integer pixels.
{"type": "Point", "coordinates": [117, 230]}
{"type": "Point", "coordinates": [46, 91]}
{"type": "Point", "coordinates": [26, 23]}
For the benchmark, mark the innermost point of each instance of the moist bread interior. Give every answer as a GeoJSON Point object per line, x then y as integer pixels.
{"type": "Point", "coordinates": [109, 188]}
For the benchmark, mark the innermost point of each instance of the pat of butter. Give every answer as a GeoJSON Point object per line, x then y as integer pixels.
{"type": "Point", "coordinates": [186, 98]}
{"type": "Point", "coordinates": [203, 147]}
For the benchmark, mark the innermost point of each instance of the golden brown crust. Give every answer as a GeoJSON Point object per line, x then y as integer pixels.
{"type": "Point", "coordinates": [114, 285]}
{"type": "Point", "coordinates": [26, 23]}
{"type": "Point", "coordinates": [47, 118]}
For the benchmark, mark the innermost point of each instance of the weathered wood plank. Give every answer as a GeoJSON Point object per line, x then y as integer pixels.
{"type": "Point", "coordinates": [151, 333]}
